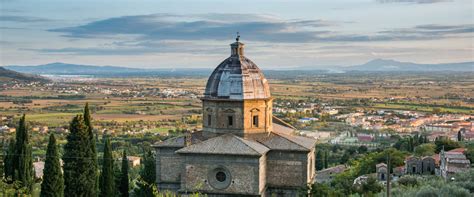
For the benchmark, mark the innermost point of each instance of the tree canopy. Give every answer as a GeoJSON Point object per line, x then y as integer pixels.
{"type": "Point", "coordinates": [22, 159]}
{"type": "Point", "coordinates": [53, 182]}
{"type": "Point", "coordinates": [79, 179]}
{"type": "Point", "coordinates": [124, 181]}
{"type": "Point", "coordinates": [425, 150]}
{"type": "Point", "coordinates": [107, 182]}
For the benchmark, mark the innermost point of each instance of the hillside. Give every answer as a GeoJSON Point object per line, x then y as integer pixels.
{"type": "Point", "coordinates": [376, 65]}
{"type": "Point", "coordinates": [392, 65]}
{"type": "Point", "coordinates": [69, 69]}
{"type": "Point", "coordinates": [76, 69]}
{"type": "Point", "coordinates": [9, 75]}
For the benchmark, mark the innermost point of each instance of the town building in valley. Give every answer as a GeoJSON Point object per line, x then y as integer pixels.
{"type": "Point", "coordinates": [452, 162]}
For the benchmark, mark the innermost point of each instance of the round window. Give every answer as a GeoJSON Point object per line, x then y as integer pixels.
{"type": "Point", "coordinates": [220, 176]}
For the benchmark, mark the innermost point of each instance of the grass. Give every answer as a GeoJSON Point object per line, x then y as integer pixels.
{"type": "Point", "coordinates": [160, 130]}
{"type": "Point", "coordinates": [420, 108]}
{"type": "Point", "coordinates": [51, 119]}
{"type": "Point", "coordinates": [58, 112]}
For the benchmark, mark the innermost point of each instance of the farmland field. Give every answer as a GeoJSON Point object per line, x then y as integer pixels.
{"type": "Point", "coordinates": [145, 99]}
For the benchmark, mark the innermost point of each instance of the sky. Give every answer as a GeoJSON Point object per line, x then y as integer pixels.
{"type": "Point", "coordinates": [197, 34]}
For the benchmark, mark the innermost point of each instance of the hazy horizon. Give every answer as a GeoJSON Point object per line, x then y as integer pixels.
{"type": "Point", "coordinates": [211, 67]}
{"type": "Point", "coordinates": [277, 34]}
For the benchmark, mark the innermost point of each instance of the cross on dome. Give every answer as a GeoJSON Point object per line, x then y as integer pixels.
{"type": "Point", "coordinates": [238, 37]}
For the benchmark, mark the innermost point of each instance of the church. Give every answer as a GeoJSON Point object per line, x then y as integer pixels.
{"type": "Point", "coordinates": [242, 150]}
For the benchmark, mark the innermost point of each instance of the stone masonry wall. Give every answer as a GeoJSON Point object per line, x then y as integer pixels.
{"type": "Point", "coordinates": [286, 169]}
{"type": "Point", "coordinates": [168, 168]}
{"type": "Point", "coordinates": [243, 171]}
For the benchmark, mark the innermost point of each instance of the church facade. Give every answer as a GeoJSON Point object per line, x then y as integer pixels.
{"type": "Point", "coordinates": [242, 150]}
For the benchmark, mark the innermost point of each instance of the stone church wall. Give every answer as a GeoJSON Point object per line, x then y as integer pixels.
{"type": "Point", "coordinates": [263, 174]}
{"type": "Point", "coordinates": [311, 165]}
{"type": "Point", "coordinates": [242, 174]}
{"type": "Point", "coordinates": [168, 168]}
{"type": "Point", "coordinates": [218, 112]}
{"type": "Point", "coordinates": [262, 109]}
{"type": "Point", "coordinates": [287, 168]}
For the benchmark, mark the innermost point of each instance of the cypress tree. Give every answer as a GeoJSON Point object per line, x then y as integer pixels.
{"type": "Point", "coordinates": [8, 161]}
{"type": "Point", "coordinates": [117, 177]}
{"type": "Point", "coordinates": [22, 159]}
{"type": "Point", "coordinates": [319, 160]}
{"type": "Point", "coordinates": [147, 176]}
{"type": "Point", "coordinates": [2, 160]}
{"type": "Point", "coordinates": [123, 188]}
{"type": "Point", "coordinates": [326, 155]}
{"type": "Point", "coordinates": [410, 144]}
{"type": "Point", "coordinates": [107, 182]}
{"type": "Point", "coordinates": [150, 168]}
{"type": "Point", "coordinates": [345, 157]}
{"type": "Point", "coordinates": [78, 180]}
{"type": "Point", "coordinates": [94, 168]}
{"type": "Point", "coordinates": [53, 182]}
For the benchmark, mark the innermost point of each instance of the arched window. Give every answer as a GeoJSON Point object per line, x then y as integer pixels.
{"type": "Point", "coordinates": [254, 114]}
{"type": "Point", "coordinates": [230, 121]}
{"type": "Point", "coordinates": [255, 121]}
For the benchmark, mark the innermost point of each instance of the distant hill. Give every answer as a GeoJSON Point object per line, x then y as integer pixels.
{"type": "Point", "coordinates": [392, 65]}
{"type": "Point", "coordinates": [109, 71]}
{"type": "Point", "coordinates": [72, 69]}
{"type": "Point", "coordinates": [10, 75]}
{"type": "Point", "coordinates": [377, 65]}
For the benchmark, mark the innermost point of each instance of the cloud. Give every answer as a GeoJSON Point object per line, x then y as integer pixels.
{"type": "Point", "coordinates": [11, 28]}
{"type": "Point", "coordinates": [253, 27]}
{"type": "Point", "coordinates": [430, 31]}
{"type": "Point", "coordinates": [137, 48]}
{"type": "Point", "coordinates": [413, 1]}
{"type": "Point", "coordinates": [445, 27]}
{"type": "Point", "coordinates": [22, 19]}
{"type": "Point", "coordinates": [202, 27]}
{"type": "Point", "coordinates": [171, 33]}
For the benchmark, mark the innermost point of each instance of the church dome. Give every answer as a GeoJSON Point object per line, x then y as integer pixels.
{"type": "Point", "coordinates": [237, 78]}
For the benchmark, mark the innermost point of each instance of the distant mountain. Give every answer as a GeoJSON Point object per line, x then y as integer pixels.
{"type": "Point", "coordinates": [10, 75]}
{"type": "Point", "coordinates": [377, 65]}
{"type": "Point", "coordinates": [72, 69]}
{"type": "Point", "coordinates": [112, 71]}
{"type": "Point", "coordinates": [392, 65]}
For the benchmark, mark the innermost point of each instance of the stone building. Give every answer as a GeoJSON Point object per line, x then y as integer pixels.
{"type": "Point", "coordinates": [382, 172]}
{"type": "Point", "coordinates": [417, 165]}
{"type": "Point", "coordinates": [327, 175]}
{"type": "Point", "coordinates": [242, 149]}
{"type": "Point", "coordinates": [452, 162]}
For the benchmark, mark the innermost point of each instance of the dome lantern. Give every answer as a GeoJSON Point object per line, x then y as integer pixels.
{"type": "Point", "coordinates": [237, 48]}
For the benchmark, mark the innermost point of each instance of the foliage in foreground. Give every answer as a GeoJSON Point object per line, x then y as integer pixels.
{"type": "Point", "coordinates": [53, 182]}
{"type": "Point", "coordinates": [146, 181]}
{"type": "Point", "coordinates": [22, 160]}
{"type": "Point", "coordinates": [79, 175]}
{"type": "Point", "coordinates": [124, 180]}
{"type": "Point", "coordinates": [436, 187]}
{"type": "Point", "coordinates": [107, 181]}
